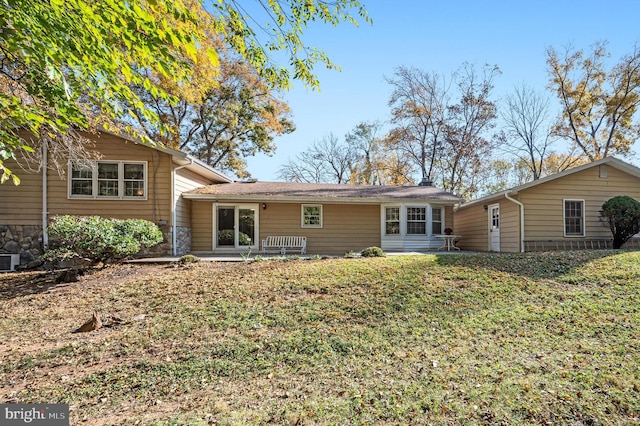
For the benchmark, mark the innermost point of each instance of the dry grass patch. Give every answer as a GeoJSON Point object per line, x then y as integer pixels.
{"type": "Point", "coordinates": [519, 339]}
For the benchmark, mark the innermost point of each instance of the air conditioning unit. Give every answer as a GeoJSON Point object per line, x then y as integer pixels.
{"type": "Point", "coordinates": [8, 262]}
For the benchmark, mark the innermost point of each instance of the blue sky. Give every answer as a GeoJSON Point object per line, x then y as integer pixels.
{"type": "Point", "coordinates": [439, 36]}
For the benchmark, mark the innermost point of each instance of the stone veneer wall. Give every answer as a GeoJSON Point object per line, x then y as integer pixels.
{"type": "Point", "coordinates": [25, 240]}
{"type": "Point", "coordinates": [183, 240]}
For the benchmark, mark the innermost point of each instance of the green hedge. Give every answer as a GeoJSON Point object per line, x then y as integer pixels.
{"type": "Point", "coordinates": [100, 239]}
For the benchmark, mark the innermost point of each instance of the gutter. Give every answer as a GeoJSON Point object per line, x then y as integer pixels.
{"type": "Point", "coordinates": [174, 213]}
{"type": "Point", "coordinates": [45, 233]}
{"type": "Point", "coordinates": [506, 195]}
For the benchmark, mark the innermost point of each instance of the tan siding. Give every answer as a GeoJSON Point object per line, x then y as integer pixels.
{"type": "Point", "coordinates": [544, 203]}
{"type": "Point", "coordinates": [156, 208]}
{"type": "Point", "coordinates": [472, 224]}
{"type": "Point", "coordinates": [509, 227]}
{"type": "Point", "coordinates": [202, 226]}
{"type": "Point", "coordinates": [186, 180]}
{"type": "Point", "coordinates": [22, 204]}
{"type": "Point", "coordinates": [345, 227]}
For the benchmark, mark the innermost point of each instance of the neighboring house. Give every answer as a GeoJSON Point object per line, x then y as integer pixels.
{"type": "Point", "coordinates": [129, 180]}
{"type": "Point", "coordinates": [557, 212]}
{"type": "Point", "coordinates": [335, 218]}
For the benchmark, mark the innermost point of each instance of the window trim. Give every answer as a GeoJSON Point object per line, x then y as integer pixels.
{"type": "Point", "coordinates": [384, 212]}
{"type": "Point", "coordinates": [302, 216]}
{"type": "Point", "coordinates": [94, 181]}
{"type": "Point", "coordinates": [426, 220]}
{"type": "Point", "coordinates": [442, 219]}
{"type": "Point", "coordinates": [564, 217]}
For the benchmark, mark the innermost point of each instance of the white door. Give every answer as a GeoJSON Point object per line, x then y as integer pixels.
{"type": "Point", "coordinates": [494, 227]}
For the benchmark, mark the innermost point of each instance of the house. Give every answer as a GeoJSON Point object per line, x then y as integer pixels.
{"type": "Point", "coordinates": [201, 210]}
{"type": "Point", "coordinates": [335, 218]}
{"type": "Point", "coordinates": [127, 180]}
{"type": "Point", "coordinates": [561, 211]}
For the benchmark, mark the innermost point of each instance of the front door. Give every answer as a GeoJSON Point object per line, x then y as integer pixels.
{"type": "Point", "coordinates": [494, 227]}
{"type": "Point", "coordinates": [236, 227]}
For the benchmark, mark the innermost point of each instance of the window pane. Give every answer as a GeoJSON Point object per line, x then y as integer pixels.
{"type": "Point", "coordinates": [107, 171]}
{"type": "Point", "coordinates": [108, 188]}
{"type": "Point", "coordinates": [436, 221]}
{"type": "Point", "coordinates": [312, 215]}
{"type": "Point", "coordinates": [416, 220]}
{"type": "Point", "coordinates": [134, 189]}
{"type": "Point", "coordinates": [573, 217]}
{"type": "Point", "coordinates": [393, 213]}
{"type": "Point", "coordinates": [81, 187]}
{"type": "Point", "coordinates": [134, 171]}
{"type": "Point", "coordinates": [81, 171]}
{"type": "Point", "coordinates": [416, 228]}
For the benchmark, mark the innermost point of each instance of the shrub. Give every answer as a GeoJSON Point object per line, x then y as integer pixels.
{"type": "Point", "coordinates": [102, 240]}
{"type": "Point", "coordinates": [372, 252]}
{"type": "Point", "coordinates": [187, 259]}
{"type": "Point", "coordinates": [622, 215]}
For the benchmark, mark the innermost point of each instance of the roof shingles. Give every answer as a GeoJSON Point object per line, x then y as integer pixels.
{"type": "Point", "coordinates": [295, 190]}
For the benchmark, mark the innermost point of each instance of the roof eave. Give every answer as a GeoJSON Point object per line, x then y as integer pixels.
{"type": "Point", "coordinates": [312, 199]}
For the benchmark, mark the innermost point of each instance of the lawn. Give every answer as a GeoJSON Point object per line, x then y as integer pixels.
{"type": "Point", "coordinates": [550, 338]}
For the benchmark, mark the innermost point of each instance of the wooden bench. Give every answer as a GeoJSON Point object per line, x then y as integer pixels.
{"type": "Point", "coordinates": [280, 244]}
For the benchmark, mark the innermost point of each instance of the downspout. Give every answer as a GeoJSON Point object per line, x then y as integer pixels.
{"type": "Point", "coordinates": [174, 213]}
{"type": "Point", "coordinates": [45, 233]}
{"type": "Point", "coordinates": [506, 195]}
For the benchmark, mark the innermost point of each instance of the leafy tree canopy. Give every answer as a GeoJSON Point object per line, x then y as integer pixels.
{"type": "Point", "coordinates": [61, 61]}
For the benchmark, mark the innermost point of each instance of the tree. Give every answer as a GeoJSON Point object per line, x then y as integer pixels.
{"type": "Point", "coordinates": [598, 106]}
{"type": "Point", "coordinates": [326, 160]}
{"type": "Point", "coordinates": [442, 137]}
{"type": "Point", "coordinates": [528, 135]}
{"type": "Point", "coordinates": [234, 117]}
{"type": "Point", "coordinates": [418, 107]}
{"type": "Point", "coordinates": [622, 215]}
{"type": "Point", "coordinates": [466, 148]}
{"type": "Point", "coordinates": [58, 56]}
{"type": "Point", "coordinates": [362, 158]}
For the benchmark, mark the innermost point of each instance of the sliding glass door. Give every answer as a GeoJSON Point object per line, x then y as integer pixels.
{"type": "Point", "coordinates": [236, 226]}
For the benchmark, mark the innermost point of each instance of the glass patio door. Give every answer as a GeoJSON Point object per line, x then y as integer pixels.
{"type": "Point", "coordinates": [246, 227]}
{"type": "Point", "coordinates": [236, 227]}
{"type": "Point", "coordinates": [226, 227]}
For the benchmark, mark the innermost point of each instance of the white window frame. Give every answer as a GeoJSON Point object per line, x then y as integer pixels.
{"type": "Point", "coordinates": [442, 221]}
{"type": "Point", "coordinates": [426, 220]}
{"type": "Point", "coordinates": [121, 181]}
{"type": "Point", "coordinates": [564, 217]}
{"type": "Point", "coordinates": [385, 220]}
{"type": "Point", "coordinates": [302, 214]}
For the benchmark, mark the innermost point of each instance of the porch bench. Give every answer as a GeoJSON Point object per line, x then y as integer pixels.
{"type": "Point", "coordinates": [282, 243]}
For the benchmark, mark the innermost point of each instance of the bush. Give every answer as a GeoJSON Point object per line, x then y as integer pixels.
{"type": "Point", "coordinates": [372, 252]}
{"type": "Point", "coordinates": [622, 215]}
{"type": "Point", "coordinates": [99, 239]}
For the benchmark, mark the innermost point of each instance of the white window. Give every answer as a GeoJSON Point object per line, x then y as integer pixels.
{"type": "Point", "coordinates": [108, 179]}
{"type": "Point", "coordinates": [574, 218]}
{"type": "Point", "coordinates": [416, 220]}
{"type": "Point", "coordinates": [437, 216]}
{"type": "Point", "coordinates": [392, 220]}
{"type": "Point", "coordinates": [312, 216]}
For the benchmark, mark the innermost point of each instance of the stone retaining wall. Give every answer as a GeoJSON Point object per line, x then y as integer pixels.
{"type": "Point", "coordinates": [25, 240]}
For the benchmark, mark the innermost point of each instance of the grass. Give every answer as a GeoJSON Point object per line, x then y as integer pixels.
{"type": "Point", "coordinates": [548, 338]}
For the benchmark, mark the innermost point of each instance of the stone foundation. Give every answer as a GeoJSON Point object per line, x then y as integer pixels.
{"type": "Point", "coordinates": [183, 240]}
{"type": "Point", "coordinates": [25, 240]}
